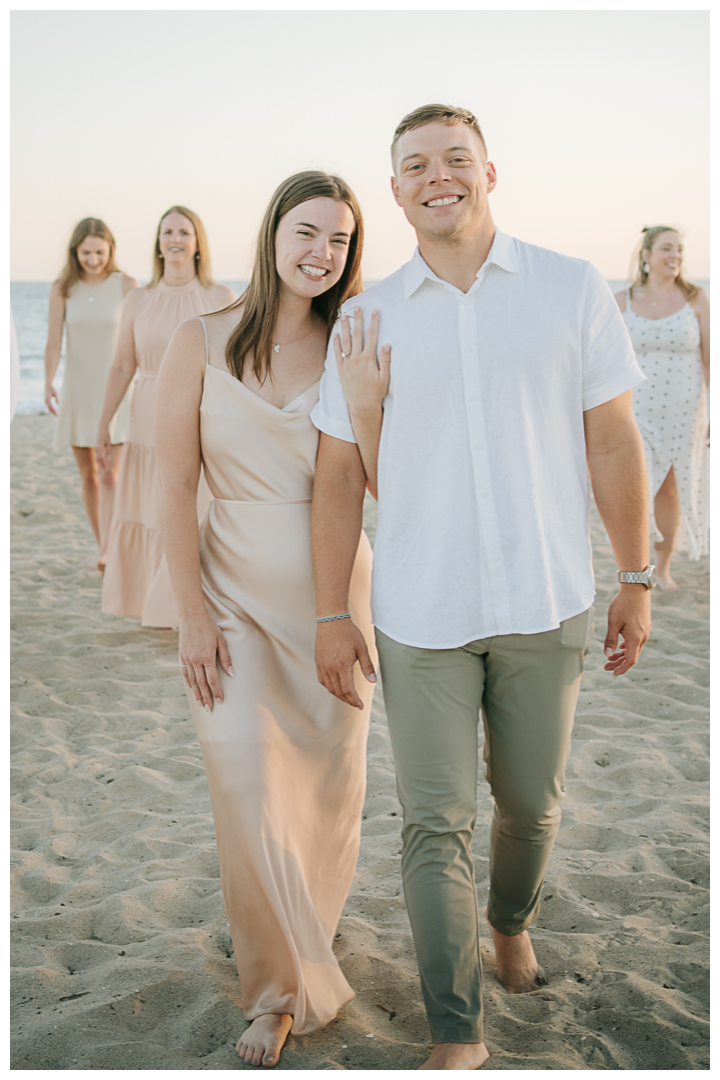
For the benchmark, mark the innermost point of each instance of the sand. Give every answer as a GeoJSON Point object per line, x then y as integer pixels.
{"type": "Point", "coordinates": [122, 957]}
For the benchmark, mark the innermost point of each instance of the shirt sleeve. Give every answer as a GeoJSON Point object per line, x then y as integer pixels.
{"type": "Point", "coordinates": [610, 366]}
{"type": "Point", "coordinates": [331, 412]}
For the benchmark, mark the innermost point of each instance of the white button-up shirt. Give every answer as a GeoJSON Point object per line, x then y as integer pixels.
{"type": "Point", "coordinates": [483, 502]}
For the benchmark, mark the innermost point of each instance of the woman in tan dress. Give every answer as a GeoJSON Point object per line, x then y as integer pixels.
{"type": "Point", "coordinates": [136, 577]}
{"type": "Point", "coordinates": [86, 301]}
{"type": "Point", "coordinates": [285, 760]}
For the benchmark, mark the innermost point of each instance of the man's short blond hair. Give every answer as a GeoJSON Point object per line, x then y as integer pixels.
{"type": "Point", "coordinates": [433, 114]}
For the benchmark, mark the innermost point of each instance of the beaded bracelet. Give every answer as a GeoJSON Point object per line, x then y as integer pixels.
{"type": "Point", "coordinates": [332, 618]}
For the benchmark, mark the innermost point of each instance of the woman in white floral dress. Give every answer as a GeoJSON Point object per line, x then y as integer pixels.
{"type": "Point", "coordinates": [669, 322]}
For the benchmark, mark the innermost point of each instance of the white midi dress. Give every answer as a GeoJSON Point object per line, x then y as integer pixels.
{"type": "Point", "coordinates": [671, 412]}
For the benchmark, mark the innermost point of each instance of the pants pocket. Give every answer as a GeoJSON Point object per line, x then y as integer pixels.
{"type": "Point", "coordinates": [576, 633]}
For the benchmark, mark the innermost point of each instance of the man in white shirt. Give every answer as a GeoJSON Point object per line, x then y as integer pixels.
{"type": "Point", "coordinates": [511, 375]}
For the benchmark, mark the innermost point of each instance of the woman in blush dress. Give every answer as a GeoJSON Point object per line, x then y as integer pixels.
{"type": "Point", "coordinates": [136, 577]}
{"type": "Point", "coordinates": [86, 302]}
{"type": "Point", "coordinates": [669, 322]}
{"type": "Point", "coordinates": [285, 760]}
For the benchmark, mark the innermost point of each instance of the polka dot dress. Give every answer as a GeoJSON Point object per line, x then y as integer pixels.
{"type": "Point", "coordinates": [671, 412]}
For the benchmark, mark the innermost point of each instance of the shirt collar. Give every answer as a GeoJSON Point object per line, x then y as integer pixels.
{"type": "Point", "coordinates": [503, 253]}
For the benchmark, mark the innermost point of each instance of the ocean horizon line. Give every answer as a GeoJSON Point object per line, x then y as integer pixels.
{"type": "Point", "coordinates": [28, 303]}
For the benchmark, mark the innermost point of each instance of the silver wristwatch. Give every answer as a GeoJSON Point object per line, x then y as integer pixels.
{"type": "Point", "coordinates": [646, 577]}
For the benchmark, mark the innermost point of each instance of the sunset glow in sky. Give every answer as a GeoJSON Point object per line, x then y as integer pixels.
{"type": "Point", "coordinates": [597, 122]}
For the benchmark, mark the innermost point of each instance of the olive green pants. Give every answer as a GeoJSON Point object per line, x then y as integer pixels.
{"type": "Point", "coordinates": [525, 686]}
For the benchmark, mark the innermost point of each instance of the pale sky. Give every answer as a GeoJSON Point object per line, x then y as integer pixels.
{"type": "Point", "coordinates": [597, 121]}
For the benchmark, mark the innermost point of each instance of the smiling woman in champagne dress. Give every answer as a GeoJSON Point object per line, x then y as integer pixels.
{"type": "Point", "coordinates": [86, 301]}
{"type": "Point", "coordinates": [285, 760]}
{"type": "Point", "coordinates": [669, 322]}
{"type": "Point", "coordinates": [136, 578]}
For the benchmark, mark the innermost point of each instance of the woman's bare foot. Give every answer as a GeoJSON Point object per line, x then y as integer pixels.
{"type": "Point", "coordinates": [517, 967]}
{"type": "Point", "coordinates": [457, 1056]}
{"type": "Point", "coordinates": [666, 584]}
{"type": "Point", "coordinates": [262, 1042]}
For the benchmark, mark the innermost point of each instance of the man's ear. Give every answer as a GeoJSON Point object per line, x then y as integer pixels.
{"type": "Point", "coordinates": [395, 190]}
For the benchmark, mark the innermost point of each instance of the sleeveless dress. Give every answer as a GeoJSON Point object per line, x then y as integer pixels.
{"type": "Point", "coordinates": [137, 581]}
{"type": "Point", "coordinates": [285, 760]}
{"type": "Point", "coordinates": [671, 412]}
{"type": "Point", "coordinates": [92, 321]}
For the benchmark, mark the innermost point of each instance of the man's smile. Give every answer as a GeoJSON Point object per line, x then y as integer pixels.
{"type": "Point", "coordinates": [444, 200]}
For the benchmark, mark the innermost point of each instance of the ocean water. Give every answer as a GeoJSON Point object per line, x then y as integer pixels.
{"type": "Point", "coordinates": [29, 303]}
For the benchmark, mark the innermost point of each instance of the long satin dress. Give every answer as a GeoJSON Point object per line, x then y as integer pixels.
{"type": "Point", "coordinates": [136, 580]}
{"type": "Point", "coordinates": [285, 760]}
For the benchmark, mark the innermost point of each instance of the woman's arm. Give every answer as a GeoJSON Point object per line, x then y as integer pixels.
{"type": "Point", "coordinates": [119, 377]}
{"type": "Point", "coordinates": [177, 442]}
{"type": "Point", "coordinates": [365, 377]}
{"type": "Point", "coordinates": [701, 307]}
{"type": "Point", "coordinates": [56, 321]}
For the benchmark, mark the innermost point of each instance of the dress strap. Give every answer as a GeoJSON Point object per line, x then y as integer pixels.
{"type": "Point", "coordinates": [627, 294]}
{"type": "Point", "coordinates": [207, 344]}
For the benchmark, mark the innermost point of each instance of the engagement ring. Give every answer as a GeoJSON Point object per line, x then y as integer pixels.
{"type": "Point", "coordinates": [344, 355]}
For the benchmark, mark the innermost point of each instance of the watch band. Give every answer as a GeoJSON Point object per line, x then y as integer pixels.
{"type": "Point", "coordinates": [646, 577]}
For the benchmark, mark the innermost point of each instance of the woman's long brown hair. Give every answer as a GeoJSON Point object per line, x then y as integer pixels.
{"type": "Point", "coordinates": [260, 301]}
{"type": "Point", "coordinates": [72, 272]}
{"type": "Point", "coordinates": [649, 235]}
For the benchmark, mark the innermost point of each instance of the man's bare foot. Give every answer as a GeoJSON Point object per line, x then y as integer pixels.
{"type": "Point", "coordinates": [262, 1042]}
{"type": "Point", "coordinates": [457, 1056]}
{"type": "Point", "coordinates": [517, 967]}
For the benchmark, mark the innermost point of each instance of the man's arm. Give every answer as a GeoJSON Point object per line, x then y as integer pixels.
{"type": "Point", "coordinates": [616, 462]}
{"type": "Point", "coordinates": [338, 494]}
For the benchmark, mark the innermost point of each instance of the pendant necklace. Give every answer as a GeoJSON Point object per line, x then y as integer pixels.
{"type": "Point", "coordinates": [277, 348]}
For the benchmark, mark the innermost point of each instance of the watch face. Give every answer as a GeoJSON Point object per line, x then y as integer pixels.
{"type": "Point", "coordinates": [652, 576]}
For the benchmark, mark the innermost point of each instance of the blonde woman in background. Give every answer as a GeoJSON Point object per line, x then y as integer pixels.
{"type": "Point", "coordinates": [136, 577]}
{"type": "Point", "coordinates": [86, 302]}
{"type": "Point", "coordinates": [669, 322]}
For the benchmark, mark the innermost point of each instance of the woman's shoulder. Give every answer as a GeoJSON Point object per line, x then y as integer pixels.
{"type": "Point", "coordinates": [222, 322]}
{"type": "Point", "coordinates": [127, 282]}
{"type": "Point", "coordinates": [621, 299]}
{"type": "Point", "coordinates": [186, 349]}
{"type": "Point", "coordinates": [222, 295]}
{"type": "Point", "coordinates": [189, 331]}
{"type": "Point", "coordinates": [700, 301]}
{"type": "Point", "coordinates": [136, 298]}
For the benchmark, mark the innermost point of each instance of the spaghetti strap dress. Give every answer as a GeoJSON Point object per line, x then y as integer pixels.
{"type": "Point", "coordinates": [671, 412]}
{"type": "Point", "coordinates": [285, 760]}
{"type": "Point", "coordinates": [92, 321]}
{"type": "Point", "coordinates": [137, 581]}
